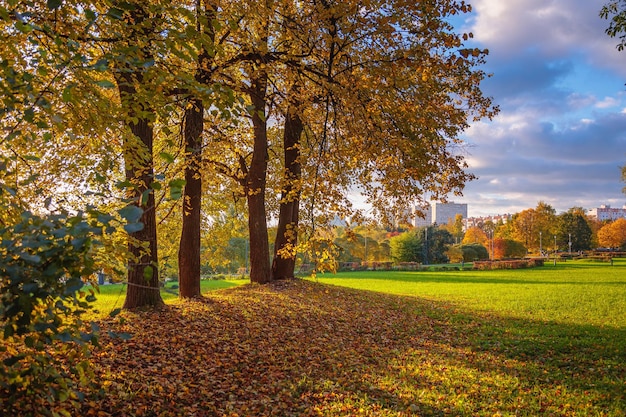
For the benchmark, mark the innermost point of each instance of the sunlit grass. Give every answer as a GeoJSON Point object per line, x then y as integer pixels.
{"type": "Point", "coordinates": [573, 292]}
{"type": "Point", "coordinates": [543, 341]}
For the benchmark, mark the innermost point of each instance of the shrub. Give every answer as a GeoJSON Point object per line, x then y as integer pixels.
{"type": "Point", "coordinates": [508, 264]}
{"type": "Point", "coordinates": [42, 265]}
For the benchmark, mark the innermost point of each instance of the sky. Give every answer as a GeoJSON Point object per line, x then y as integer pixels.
{"type": "Point", "coordinates": [559, 80]}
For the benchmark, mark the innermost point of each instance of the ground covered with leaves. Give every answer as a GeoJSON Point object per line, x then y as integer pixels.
{"type": "Point", "coordinates": [298, 348]}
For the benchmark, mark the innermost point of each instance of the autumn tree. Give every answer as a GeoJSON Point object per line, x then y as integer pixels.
{"type": "Point", "coordinates": [475, 235]}
{"type": "Point", "coordinates": [139, 116]}
{"type": "Point", "coordinates": [369, 67]}
{"type": "Point", "coordinates": [508, 248]}
{"type": "Point", "coordinates": [455, 227]}
{"type": "Point", "coordinates": [613, 235]}
{"type": "Point", "coordinates": [535, 227]}
{"type": "Point", "coordinates": [80, 125]}
{"type": "Point", "coordinates": [189, 257]}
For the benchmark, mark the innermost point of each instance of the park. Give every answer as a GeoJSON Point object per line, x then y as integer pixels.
{"type": "Point", "coordinates": [152, 150]}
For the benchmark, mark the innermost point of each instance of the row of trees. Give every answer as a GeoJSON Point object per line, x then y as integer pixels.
{"type": "Point", "coordinates": [164, 115]}
{"type": "Point", "coordinates": [533, 230]}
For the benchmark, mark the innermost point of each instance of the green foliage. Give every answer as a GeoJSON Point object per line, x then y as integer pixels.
{"type": "Point", "coordinates": [43, 262]}
{"type": "Point", "coordinates": [437, 244]}
{"type": "Point", "coordinates": [615, 10]}
{"type": "Point", "coordinates": [473, 252]}
{"type": "Point", "coordinates": [575, 228]}
{"type": "Point", "coordinates": [406, 247]}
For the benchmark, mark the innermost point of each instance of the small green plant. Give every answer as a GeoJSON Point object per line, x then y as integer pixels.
{"type": "Point", "coordinates": [43, 261]}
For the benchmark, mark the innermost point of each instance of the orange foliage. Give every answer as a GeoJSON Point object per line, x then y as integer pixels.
{"type": "Point", "coordinates": [613, 235]}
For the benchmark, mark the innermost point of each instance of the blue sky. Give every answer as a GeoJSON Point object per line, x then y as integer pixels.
{"type": "Point", "coordinates": [559, 80]}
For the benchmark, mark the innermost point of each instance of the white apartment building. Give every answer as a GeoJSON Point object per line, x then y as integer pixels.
{"type": "Point", "coordinates": [439, 213]}
{"type": "Point", "coordinates": [480, 221]}
{"type": "Point", "coordinates": [606, 212]}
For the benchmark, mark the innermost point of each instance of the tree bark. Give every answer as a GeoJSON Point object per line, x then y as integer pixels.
{"type": "Point", "coordinates": [189, 248]}
{"type": "Point", "coordinates": [284, 262]}
{"type": "Point", "coordinates": [260, 271]}
{"type": "Point", "coordinates": [143, 268]}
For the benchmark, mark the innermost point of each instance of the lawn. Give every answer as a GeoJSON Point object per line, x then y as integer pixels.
{"type": "Point", "coordinates": [548, 341]}
{"type": "Point", "coordinates": [573, 292]}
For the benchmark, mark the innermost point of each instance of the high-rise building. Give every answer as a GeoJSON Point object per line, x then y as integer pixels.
{"type": "Point", "coordinates": [419, 221]}
{"type": "Point", "coordinates": [439, 213]}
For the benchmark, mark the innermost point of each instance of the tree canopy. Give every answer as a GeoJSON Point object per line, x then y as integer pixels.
{"type": "Point", "coordinates": [147, 110]}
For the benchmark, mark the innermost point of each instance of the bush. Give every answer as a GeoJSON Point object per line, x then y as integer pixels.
{"type": "Point", "coordinates": [508, 264]}
{"type": "Point", "coordinates": [42, 265]}
{"type": "Point", "coordinates": [474, 251]}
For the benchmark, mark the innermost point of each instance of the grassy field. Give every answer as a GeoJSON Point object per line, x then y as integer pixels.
{"type": "Point", "coordinates": [573, 292]}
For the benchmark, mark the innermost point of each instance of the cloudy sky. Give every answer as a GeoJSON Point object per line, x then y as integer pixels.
{"type": "Point", "coordinates": [559, 80]}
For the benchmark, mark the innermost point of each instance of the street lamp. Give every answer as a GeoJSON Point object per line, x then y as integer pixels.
{"type": "Point", "coordinates": [540, 245]}
{"type": "Point", "coordinates": [570, 243]}
{"type": "Point", "coordinates": [426, 245]}
{"type": "Point", "coordinates": [554, 250]}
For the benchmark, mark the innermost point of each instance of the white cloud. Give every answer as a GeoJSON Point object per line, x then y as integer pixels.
{"type": "Point", "coordinates": [607, 102]}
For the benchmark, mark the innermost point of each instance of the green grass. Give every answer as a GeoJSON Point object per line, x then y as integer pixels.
{"type": "Point", "coordinates": [111, 297]}
{"type": "Point", "coordinates": [573, 292]}
{"type": "Point", "coordinates": [552, 333]}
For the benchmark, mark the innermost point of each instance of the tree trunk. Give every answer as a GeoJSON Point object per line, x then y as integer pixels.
{"type": "Point", "coordinates": [143, 268]}
{"type": "Point", "coordinates": [260, 271]}
{"type": "Point", "coordinates": [284, 262]}
{"type": "Point", "coordinates": [189, 248]}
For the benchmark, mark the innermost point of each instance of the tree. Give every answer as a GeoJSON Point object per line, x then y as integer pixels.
{"type": "Point", "coordinates": [286, 240]}
{"type": "Point", "coordinates": [474, 252]}
{"type": "Point", "coordinates": [437, 241]}
{"type": "Point", "coordinates": [139, 116]}
{"type": "Point", "coordinates": [189, 248]}
{"type": "Point", "coordinates": [455, 254]}
{"type": "Point", "coordinates": [475, 235]}
{"type": "Point", "coordinates": [76, 51]}
{"type": "Point", "coordinates": [573, 227]}
{"type": "Point", "coordinates": [613, 235]}
{"type": "Point", "coordinates": [615, 10]}
{"type": "Point", "coordinates": [457, 228]}
{"type": "Point", "coordinates": [406, 247]}
{"type": "Point", "coordinates": [508, 248]}
{"type": "Point", "coordinates": [402, 65]}
{"type": "Point", "coordinates": [533, 227]}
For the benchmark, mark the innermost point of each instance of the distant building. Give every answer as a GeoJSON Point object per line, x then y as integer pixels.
{"type": "Point", "coordinates": [480, 221]}
{"type": "Point", "coordinates": [439, 213]}
{"type": "Point", "coordinates": [605, 212]}
{"type": "Point", "coordinates": [418, 220]}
